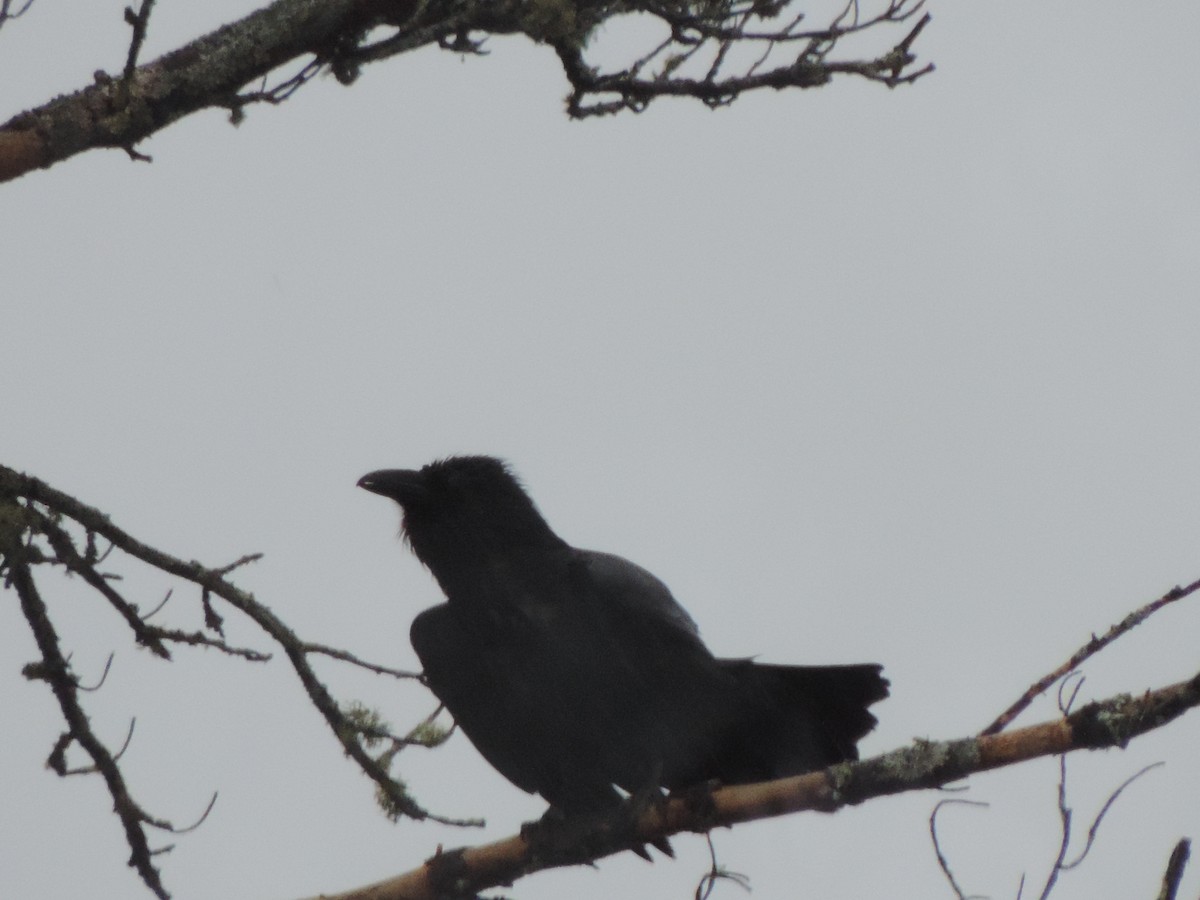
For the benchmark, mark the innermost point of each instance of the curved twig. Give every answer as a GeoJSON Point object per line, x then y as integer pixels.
{"type": "Point", "coordinates": [103, 676]}
{"type": "Point", "coordinates": [943, 863]}
{"type": "Point", "coordinates": [1112, 798]}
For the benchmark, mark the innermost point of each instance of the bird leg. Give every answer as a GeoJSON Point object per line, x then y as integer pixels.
{"type": "Point", "coordinates": [580, 836]}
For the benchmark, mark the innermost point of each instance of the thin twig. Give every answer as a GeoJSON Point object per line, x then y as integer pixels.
{"type": "Point", "coordinates": [158, 608]}
{"type": "Point", "coordinates": [812, 68]}
{"type": "Point", "coordinates": [198, 639]}
{"type": "Point", "coordinates": [212, 584]}
{"type": "Point", "coordinates": [185, 829]}
{"type": "Point", "coordinates": [341, 36]}
{"type": "Point", "coordinates": [347, 657]}
{"type": "Point", "coordinates": [1091, 648]}
{"type": "Point", "coordinates": [1112, 798]}
{"type": "Point", "coordinates": [64, 548]}
{"type": "Point", "coordinates": [6, 12]}
{"type": "Point", "coordinates": [138, 22]}
{"type": "Point", "coordinates": [717, 872]}
{"type": "Point", "coordinates": [238, 563]}
{"type": "Point", "coordinates": [1065, 815]}
{"type": "Point", "coordinates": [58, 759]}
{"type": "Point", "coordinates": [103, 676]}
{"type": "Point", "coordinates": [943, 863]}
{"type": "Point", "coordinates": [1064, 818]}
{"type": "Point", "coordinates": [64, 688]}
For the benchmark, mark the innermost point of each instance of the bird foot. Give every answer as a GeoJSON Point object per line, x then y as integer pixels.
{"type": "Point", "coordinates": [582, 837]}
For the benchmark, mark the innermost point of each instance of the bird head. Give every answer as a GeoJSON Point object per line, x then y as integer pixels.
{"type": "Point", "coordinates": [461, 510]}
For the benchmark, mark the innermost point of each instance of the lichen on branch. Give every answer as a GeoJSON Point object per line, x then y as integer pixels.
{"type": "Point", "coordinates": [710, 50]}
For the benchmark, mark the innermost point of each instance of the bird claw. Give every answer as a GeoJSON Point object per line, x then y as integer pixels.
{"type": "Point", "coordinates": [581, 837]}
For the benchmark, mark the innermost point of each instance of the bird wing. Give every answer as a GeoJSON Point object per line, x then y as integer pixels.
{"type": "Point", "coordinates": [637, 593]}
{"type": "Point", "coordinates": [484, 688]}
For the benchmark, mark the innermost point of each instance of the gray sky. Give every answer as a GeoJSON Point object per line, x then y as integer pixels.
{"type": "Point", "coordinates": [864, 375]}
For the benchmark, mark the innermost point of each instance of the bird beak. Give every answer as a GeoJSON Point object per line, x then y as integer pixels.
{"type": "Point", "coordinates": [401, 485]}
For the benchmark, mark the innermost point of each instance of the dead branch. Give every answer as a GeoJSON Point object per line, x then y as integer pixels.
{"type": "Point", "coordinates": [347, 657]}
{"type": "Point", "coordinates": [342, 36]}
{"type": "Point", "coordinates": [658, 74]}
{"type": "Point", "coordinates": [31, 512]}
{"type": "Point", "coordinates": [1091, 648]}
{"type": "Point", "coordinates": [56, 672]}
{"type": "Point", "coordinates": [923, 765]}
{"type": "Point", "coordinates": [36, 528]}
{"type": "Point", "coordinates": [8, 12]}
{"type": "Point", "coordinates": [1175, 865]}
{"type": "Point", "coordinates": [138, 21]}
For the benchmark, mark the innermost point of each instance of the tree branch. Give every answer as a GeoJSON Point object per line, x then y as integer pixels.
{"type": "Point", "coordinates": [138, 21]}
{"type": "Point", "coordinates": [1091, 648]}
{"type": "Point", "coordinates": [211, 581]}
{"type": "Point", "coordinates": [925, 764]}
{"type": "Point", "coordinates": [340, 36]}
{"type": "Point", "coordinates": [55, 670]}
{"type": "Point", "coordinates": [31, 511]}
{"type": "Point", "coordinates": [7, 12]}
{"type": "Point", "coordinates": [205, 73]}
{"type": "Point", "coordinates": [1175, 865]}
{"type": "Point", "coordinates": [33, 514]}
{"type": "Point", "coordinates": [659, 74]}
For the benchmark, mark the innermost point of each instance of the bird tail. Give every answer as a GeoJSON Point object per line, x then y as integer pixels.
{"type": "Point", "coordinates": [796, 719]}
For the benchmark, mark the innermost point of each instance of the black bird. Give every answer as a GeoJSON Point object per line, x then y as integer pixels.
{"type": "Point", "coordinates": [573, 671]}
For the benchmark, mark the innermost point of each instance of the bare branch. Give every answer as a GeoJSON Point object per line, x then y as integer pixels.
{"type": "Point", "coordinates": [212, 621]}
{"type": "Point", "coordinates": [347, 657]}
{"type": "Point", "coordinates": [273, 95]}
{"type": "Point", "coordinates": [65, 550]}
{"type": "Point", "coordinates": [1091, 648]}
{"type": "Point", "coordinates": [7, 12]}
{"type": "Point", "coordinates": [1175, 865]}
{"type": "Point", "coordinates": [925, 764]}
{"type": "Point", "coordinates": [238, 563]}
{"type": "Point", "coordinates": [197, 639]}
{"type": "Point", "coordinates": [65, 690]}
{"type": "Point", "coordinates": [719, 27]}
{"type": "Point", "coordinates": [138, 22]}
{"type": "Point", "coordinates": [58, 759]}
{"type": "Point", "coordinates": [1075, 681]}
{"type": "Point", "coordinates": [342, 36]}
{"type": "Point", "coordinates": [1064, 815]}
{"type": "Point", "coordinates": [31, 509]}
{"type": "Point", "coordinates": [213, 584]}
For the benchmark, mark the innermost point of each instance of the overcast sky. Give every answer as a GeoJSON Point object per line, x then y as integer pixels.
{"type": "Point", "coordinates": [864, 375]}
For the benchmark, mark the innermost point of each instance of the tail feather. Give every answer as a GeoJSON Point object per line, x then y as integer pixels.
{"type": "Point", "coordinates": [798, 718]}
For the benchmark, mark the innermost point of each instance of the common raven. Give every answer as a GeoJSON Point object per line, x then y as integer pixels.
{"type": "Point", "coordinates": [573, 671]}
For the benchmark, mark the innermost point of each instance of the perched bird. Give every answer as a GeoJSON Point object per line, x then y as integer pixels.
{"type": "Point", "coordinates": [573, 671]}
